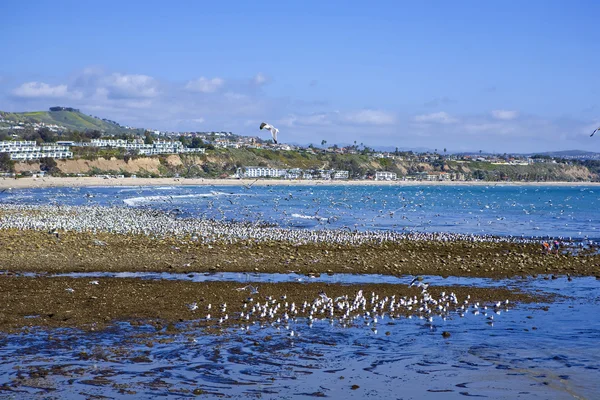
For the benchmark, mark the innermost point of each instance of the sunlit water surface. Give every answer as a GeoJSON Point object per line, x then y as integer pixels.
{"type": "Point", "coordinates": [545, 351]}
{"type": "Point", "coordinates": [555, 211]}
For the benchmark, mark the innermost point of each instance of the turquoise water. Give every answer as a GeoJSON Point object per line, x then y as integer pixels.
{"type": "Point", "coordinates": [530, 211]}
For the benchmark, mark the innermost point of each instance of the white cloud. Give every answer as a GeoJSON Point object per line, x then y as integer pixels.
{"type": "Point", "coordinates": [482, 127]}
{"type": "Point", "coordinates": [44, 90]}
{"type": "Point", "coordinates": [308, 120]}
{"type": "Point", "coordinates": [141, 100]}
{"type": "Point", "coordinates": [235, 96]}
{"type": "Point", "coordinates": [439, 101]}
{"type": "Point", "coordinates": [205, 85]}
{"type": "Point", "coordinates": [337, 118]}
{"type": "Point", "coordinates": [130, 86]}
{"type": "Point", "coordinates": [260, 79]}
{"type": "Point", "coordinates": [505, 115]}
{"type": "Point", "coordinates": [438, 118]}
{"type": "Point", "coordinates": [375, 117]}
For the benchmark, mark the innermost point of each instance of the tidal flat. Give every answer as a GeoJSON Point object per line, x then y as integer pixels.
{"type": "Point", "coordinates": [94, 313]}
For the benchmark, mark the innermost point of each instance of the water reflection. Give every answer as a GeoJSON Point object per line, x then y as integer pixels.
{"type": "Point", "coordinates": [546, 351]}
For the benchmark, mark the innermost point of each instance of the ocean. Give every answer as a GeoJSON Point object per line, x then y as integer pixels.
{"type": "Point", "coordinates": [568, 212]}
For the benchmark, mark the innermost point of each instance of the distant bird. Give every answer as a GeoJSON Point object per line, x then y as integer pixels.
{"type": "Point", "coordinates": [248, 186]}
{"type": "Point", "coordinates": [274, 131]}
{"type": "Point", "coordinates": [595, 130]}
{"type": "Point", "coordinates": [417, 280]}
{"type": "Point", "coordinates": [252, 289]}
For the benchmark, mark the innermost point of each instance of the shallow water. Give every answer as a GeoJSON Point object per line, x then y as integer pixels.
{"type": "Point", "coordinates": [531, 211]}
{"type": "Point", "coordinates": [529, 351]}
{"type": "Point", "coordinates": [545, 351]}
{"type": "Point", "coordinates": [543, 282]}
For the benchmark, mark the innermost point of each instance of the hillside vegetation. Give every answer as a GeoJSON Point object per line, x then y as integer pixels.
{"type": "Point", "coordinates": [225, 162]}
{"type": "Point", "coordinates": [69, 120]}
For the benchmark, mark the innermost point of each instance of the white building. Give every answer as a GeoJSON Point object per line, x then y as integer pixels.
{"type": "Point", "coordinates": [294, 173]}
{"type": "Point", "coordinates": [264, 172]}
{"type": "Point", "coordinates": [29, 150]}
{"type": "Point", "coordinates": [158, 147]}
{"type": "Point", "coordinates": [385, 176]}
{"type": "Point", "coordinates": [341, 174]}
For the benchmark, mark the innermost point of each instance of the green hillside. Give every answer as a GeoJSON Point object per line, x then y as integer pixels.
{"type": "Point", "coordinates": [70, 120]}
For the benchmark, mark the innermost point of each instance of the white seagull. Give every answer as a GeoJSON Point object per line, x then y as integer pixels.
{"type": "Point", "coordinates": [274, 131]}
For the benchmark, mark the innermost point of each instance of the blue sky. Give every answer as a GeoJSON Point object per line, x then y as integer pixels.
{"type": "Point", "coordinates": [510, 76]}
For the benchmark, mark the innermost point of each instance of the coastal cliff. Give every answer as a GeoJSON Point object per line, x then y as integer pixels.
{"type": "Point", "coordinates": [225, 162]}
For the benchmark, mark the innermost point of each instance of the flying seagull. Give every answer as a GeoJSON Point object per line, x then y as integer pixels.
{"type": "Point", "coordinates": [595, 130]}
{"type": "Point", "coordinates": [274, 131]}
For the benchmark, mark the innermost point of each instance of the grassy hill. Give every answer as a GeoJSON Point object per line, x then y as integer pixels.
{"type": "Point", "coordinates": [70, 120]}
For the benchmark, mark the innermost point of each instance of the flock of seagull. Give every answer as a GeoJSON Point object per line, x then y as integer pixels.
{"type": "Point", "coordinates": [155, 223]}
{"type": "Point", "coordinates": [347, 311]}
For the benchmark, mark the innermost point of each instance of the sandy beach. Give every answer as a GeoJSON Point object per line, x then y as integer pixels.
{"type": "Point", "coordinates": [24, 183]}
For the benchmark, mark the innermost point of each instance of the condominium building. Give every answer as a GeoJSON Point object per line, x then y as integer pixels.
{"type": "Point", "coordinates": [158, 147]}
{"type": "Point", "coordinates": [29, 150]}
{"type": "Point", "coordinates": [264, 172]}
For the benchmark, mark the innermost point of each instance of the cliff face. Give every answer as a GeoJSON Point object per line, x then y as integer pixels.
{"type": "Point", "coordinates": [225, 162]}
{"type": "Point", "coordinates": [82, 166]}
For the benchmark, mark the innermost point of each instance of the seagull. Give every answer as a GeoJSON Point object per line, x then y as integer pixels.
{"type": "Point", "coordinates": [417, 280]}
{"type": "Point", "coordinates": [248, 186]}
{"type": "Point", "coordinates": [595, 130]}
{"type": "Point", "coordinates": [274, 131]}
{"type": "Point", "coordinates": [252, 289]}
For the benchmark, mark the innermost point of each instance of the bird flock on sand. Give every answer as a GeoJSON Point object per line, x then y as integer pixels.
{"type": "Point", "coordinates": [154, 223]}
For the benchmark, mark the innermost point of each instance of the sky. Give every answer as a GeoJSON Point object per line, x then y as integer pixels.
{"type": "Point", "coordinates": [507, 76]}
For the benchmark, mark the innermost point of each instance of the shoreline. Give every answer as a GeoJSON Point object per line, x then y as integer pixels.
{"type": "Point", "coordinates": [48, 182]}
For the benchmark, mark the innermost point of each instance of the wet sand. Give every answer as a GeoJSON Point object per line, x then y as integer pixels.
{"type": "Point", "coordinates": [75, 302]}
{"type": "Point", "coordinates": [22, 183]}
{"type": "Point", "coordinates": [45, 301]}
{"type": "Point", "coordinates": [36, 251]}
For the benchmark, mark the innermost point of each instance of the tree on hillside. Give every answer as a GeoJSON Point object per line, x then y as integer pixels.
{"type": "Point", "coordinates": [49, 165]}
{"type": "Point", "coordinates": [95, 134]}
{"type": "Point", "coordinates": [6, 164]}
{"type": "Point", "coordinates": [46, 135]}
{"type": "Point", "coordinates": [148, 138]}
{"type": "Point", "coordinates": [184, 140]}
{"type": "Point", "coordinates": [323, 142]}
{"type": "Point", "coordinates": [197, 143]}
